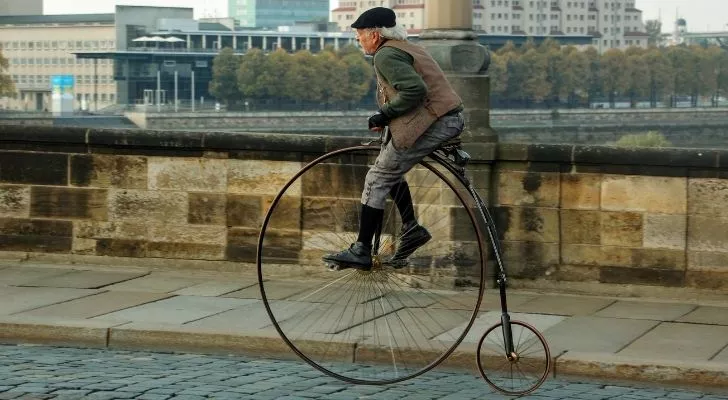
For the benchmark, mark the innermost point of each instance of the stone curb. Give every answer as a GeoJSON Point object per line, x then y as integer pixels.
{"type": "Point", "coordinates": [153, 337]}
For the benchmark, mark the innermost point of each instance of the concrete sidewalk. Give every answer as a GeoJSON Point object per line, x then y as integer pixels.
{"type": "Point", "coordinates": [134, 308]}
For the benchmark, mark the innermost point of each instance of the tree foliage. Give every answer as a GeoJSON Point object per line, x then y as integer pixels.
{"type": "Point", "coordinates": [7, 87]}
{"type": "Point", "coordinates": [328, 77]}
{"type": "Point", "coordinates": [224, 83]}
{"type": "Point", "coordinates": [557, 76]}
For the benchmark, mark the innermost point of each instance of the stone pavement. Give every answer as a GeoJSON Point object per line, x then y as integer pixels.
{"type": "Point", "coordinates": [52, 373]}
{"type": "Point", "coordinates": [141, 309]}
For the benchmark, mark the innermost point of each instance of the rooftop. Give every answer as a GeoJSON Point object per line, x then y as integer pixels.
{"type": "Point", "coordinates": [57, 19]}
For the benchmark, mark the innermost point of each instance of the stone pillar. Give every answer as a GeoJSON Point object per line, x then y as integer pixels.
{"type": "Point", "coordinates": [449, 38]}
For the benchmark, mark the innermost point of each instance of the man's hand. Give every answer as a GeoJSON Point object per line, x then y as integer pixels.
{"type": "Point", "coordinates": [378, 121]}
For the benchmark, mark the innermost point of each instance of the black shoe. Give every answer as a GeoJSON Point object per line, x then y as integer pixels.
{"type": "Point", "coordinates": [358, 256]}
{"type": "Point", "coordinates": [412, 237]}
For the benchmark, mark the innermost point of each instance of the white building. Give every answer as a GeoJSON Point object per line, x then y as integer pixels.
{"type": "Point", "coordinates": [612, 23]}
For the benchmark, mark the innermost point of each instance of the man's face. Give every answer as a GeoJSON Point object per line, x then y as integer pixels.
{"type": "Point", "coordinates": [368, 39]}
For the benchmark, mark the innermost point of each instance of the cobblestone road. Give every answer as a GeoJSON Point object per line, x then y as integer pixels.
{"type": "Point", "coordinates": [30, 372]}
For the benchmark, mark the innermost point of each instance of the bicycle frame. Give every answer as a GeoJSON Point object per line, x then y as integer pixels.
{"type": "Point", "coordinates": [456, 166]}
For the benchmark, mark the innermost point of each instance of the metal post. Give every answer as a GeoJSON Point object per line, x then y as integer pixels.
{"type": "Point", "coordinates": [176, 102]}
{"type": "Point", "coordinates": [193, 91]}
{"type": "Point", "coordinates": [159, 90]}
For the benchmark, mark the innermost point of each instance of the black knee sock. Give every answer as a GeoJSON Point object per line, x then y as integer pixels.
{"type": "Point", "coordinates": [403, 199]}
{"type": "Point", "coordinates": [369, 219]}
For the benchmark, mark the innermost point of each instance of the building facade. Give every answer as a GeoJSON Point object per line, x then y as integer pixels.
{"type": "Point", "coordinates": [271, 14]}
{"type": "Point", "coordinates": [21, 7]}
{"type": "Point", "coordinates": [40, 46]}
{"type": "Point", "coordinates": [611, 23]}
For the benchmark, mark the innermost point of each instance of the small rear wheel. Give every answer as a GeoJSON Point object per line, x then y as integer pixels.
{"type": "Point", "coordinates": [520, 372]}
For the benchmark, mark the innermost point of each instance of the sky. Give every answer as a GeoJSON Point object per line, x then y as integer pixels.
{"type": "Point", "coordinates": [701, 15]}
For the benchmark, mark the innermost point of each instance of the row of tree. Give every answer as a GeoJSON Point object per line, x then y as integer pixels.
{"type": "Point", "coordinates": [557, 75]}
{"type": "Point", "coordinates": [328, 77]}
{"type": "Point", "coordinates": [7, 87]}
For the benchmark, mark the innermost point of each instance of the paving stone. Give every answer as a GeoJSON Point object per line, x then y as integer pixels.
{"type": "Point", "coordinates": [84, 279]}
{"type": "Point", "coordinates": [211, 289]}
{"type": "Point", "coordinates": [95, 305]}
{"type": "Point", "coordinates": [157, 283]}
{"type": "Point", "coordinates": [594, 334]}
{"type": "Point", "coordinates": [175, 310]}
{"type": "Point", "coordinates": [17, 276]}
{"type": "Point", "coordinates": [646, 310]}
{"type": "Point", "coordinates": [707, 315]}
{"type": "Point", "coordinates": [562, 305]}
{"type": "Point", "coordinates": [681, 341]}
{"type": "Point", "coordinates": [15, 300]}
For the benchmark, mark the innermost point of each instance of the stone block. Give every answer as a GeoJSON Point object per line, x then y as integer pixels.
{"type": "Point", "coordinates": [621, 229]}
{"type": "Point", "coordinates": [58, 202]}
{"type": "Point", "coordinates": [110, 230]}
{"type": "Point", "coordinates": [14, 201]}
{"type": "Point", "coordinates": [207, 208]}
{"type": "Point", "coordinates": [287, 214]}
{"type": "Point", "coordinates": [330, 215]}
{"type": "Point", "coordinates": [83, 246]}
{"type": "Point", "coordinates": [658, 259]}
{"type": "Point", "coordinates": [212, 235]}
{"type": "Point", "coordinates": [583, 227]}
{"type": "Point", "coordinates": [334, 180]}
{"type": "Point", "coordinates": [187, 174]}
{"type": "Point", "coordinates": [707, 196]}
{"type": "Point", "coordinates": [258, 177]}
{"type": "Point", "coordinates": [149, 206]}
{"type": "Point", "coordinates": [642, 276]}
{"type": "Point", "coordinates": [716, 280]}
{"type": "Point", "coordinates": [707, 233]}
{"type": "Point", "coordinates": [244, 210]}
{"type": "Point", "coordinates": [517, 188]}
{"type": "Point", "coordinates": [35, 227]}
{"type": "Point", "coordinates": [529, 224]}
{"type": "Point", "coordinates": [109, 171]}
{"type": "Point", "coordinates": [573, 273]}
{"type": "Point", "coordinates": [36, 243]}
{"type": "Point", "coordinates": [581, 191]}
{"type": "Point", "coordinates": [663, 231]}
{"type": "Point", "coordinates": [650, 194]}
{"type": "Point", "coordinates": [584, 254]}
{"type": "Point", "coordinates": [242, 244]}
{"type": "Point", "coordinates": [34, 168]}
{"type": "Point", "coordinates": [529, 259]}
{"type": "Point", "coordinates": [708, 261]}
{"type": "Point", "coordinates": [121, 248]}
{"type": "Point", "coordinates": [281, 246]}
{"type": "Point", "coordinates": [189, 251]}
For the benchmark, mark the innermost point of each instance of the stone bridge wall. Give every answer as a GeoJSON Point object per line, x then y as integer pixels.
{"type": "Point", "coordinates": [564, 212]}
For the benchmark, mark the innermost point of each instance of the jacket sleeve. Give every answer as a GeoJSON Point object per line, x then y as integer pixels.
{"type": "Point", "coordinates": [397, 68]}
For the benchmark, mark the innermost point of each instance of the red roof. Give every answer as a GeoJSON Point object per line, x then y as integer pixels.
{"type": "Point", "coordinates": [409, 6]}
{"type": "Point", "coordinates": [344, 9]}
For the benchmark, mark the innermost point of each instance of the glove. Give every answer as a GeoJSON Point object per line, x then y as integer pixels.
{"type": "Point", "coordinates": [378, 120]}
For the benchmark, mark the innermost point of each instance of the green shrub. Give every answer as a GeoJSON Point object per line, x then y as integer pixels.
{"type": "Point", "coordinates": [649, 139]}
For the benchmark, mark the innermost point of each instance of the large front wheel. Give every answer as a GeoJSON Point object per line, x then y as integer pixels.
{"type": "Point", "coordinates": [379, 326]}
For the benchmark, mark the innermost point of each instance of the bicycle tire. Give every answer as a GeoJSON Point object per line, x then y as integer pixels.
{"type": "Point", "coordinates": [531, 373]}
{"type": "Point", "coordinates": [369, 327]}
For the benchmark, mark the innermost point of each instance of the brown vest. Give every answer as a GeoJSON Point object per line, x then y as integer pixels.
{"type": "Point", "coordinates": [440, 97]}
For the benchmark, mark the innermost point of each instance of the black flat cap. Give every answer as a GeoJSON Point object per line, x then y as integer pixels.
{"type": "Point", "coordinates": [377, 17]}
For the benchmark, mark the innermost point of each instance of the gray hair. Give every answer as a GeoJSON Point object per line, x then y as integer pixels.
{"type": "Point", "coordinates": [397, 32]}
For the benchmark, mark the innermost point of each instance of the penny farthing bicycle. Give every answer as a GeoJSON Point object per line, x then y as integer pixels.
{"type": "Point", "coordinates": [397, 320]}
